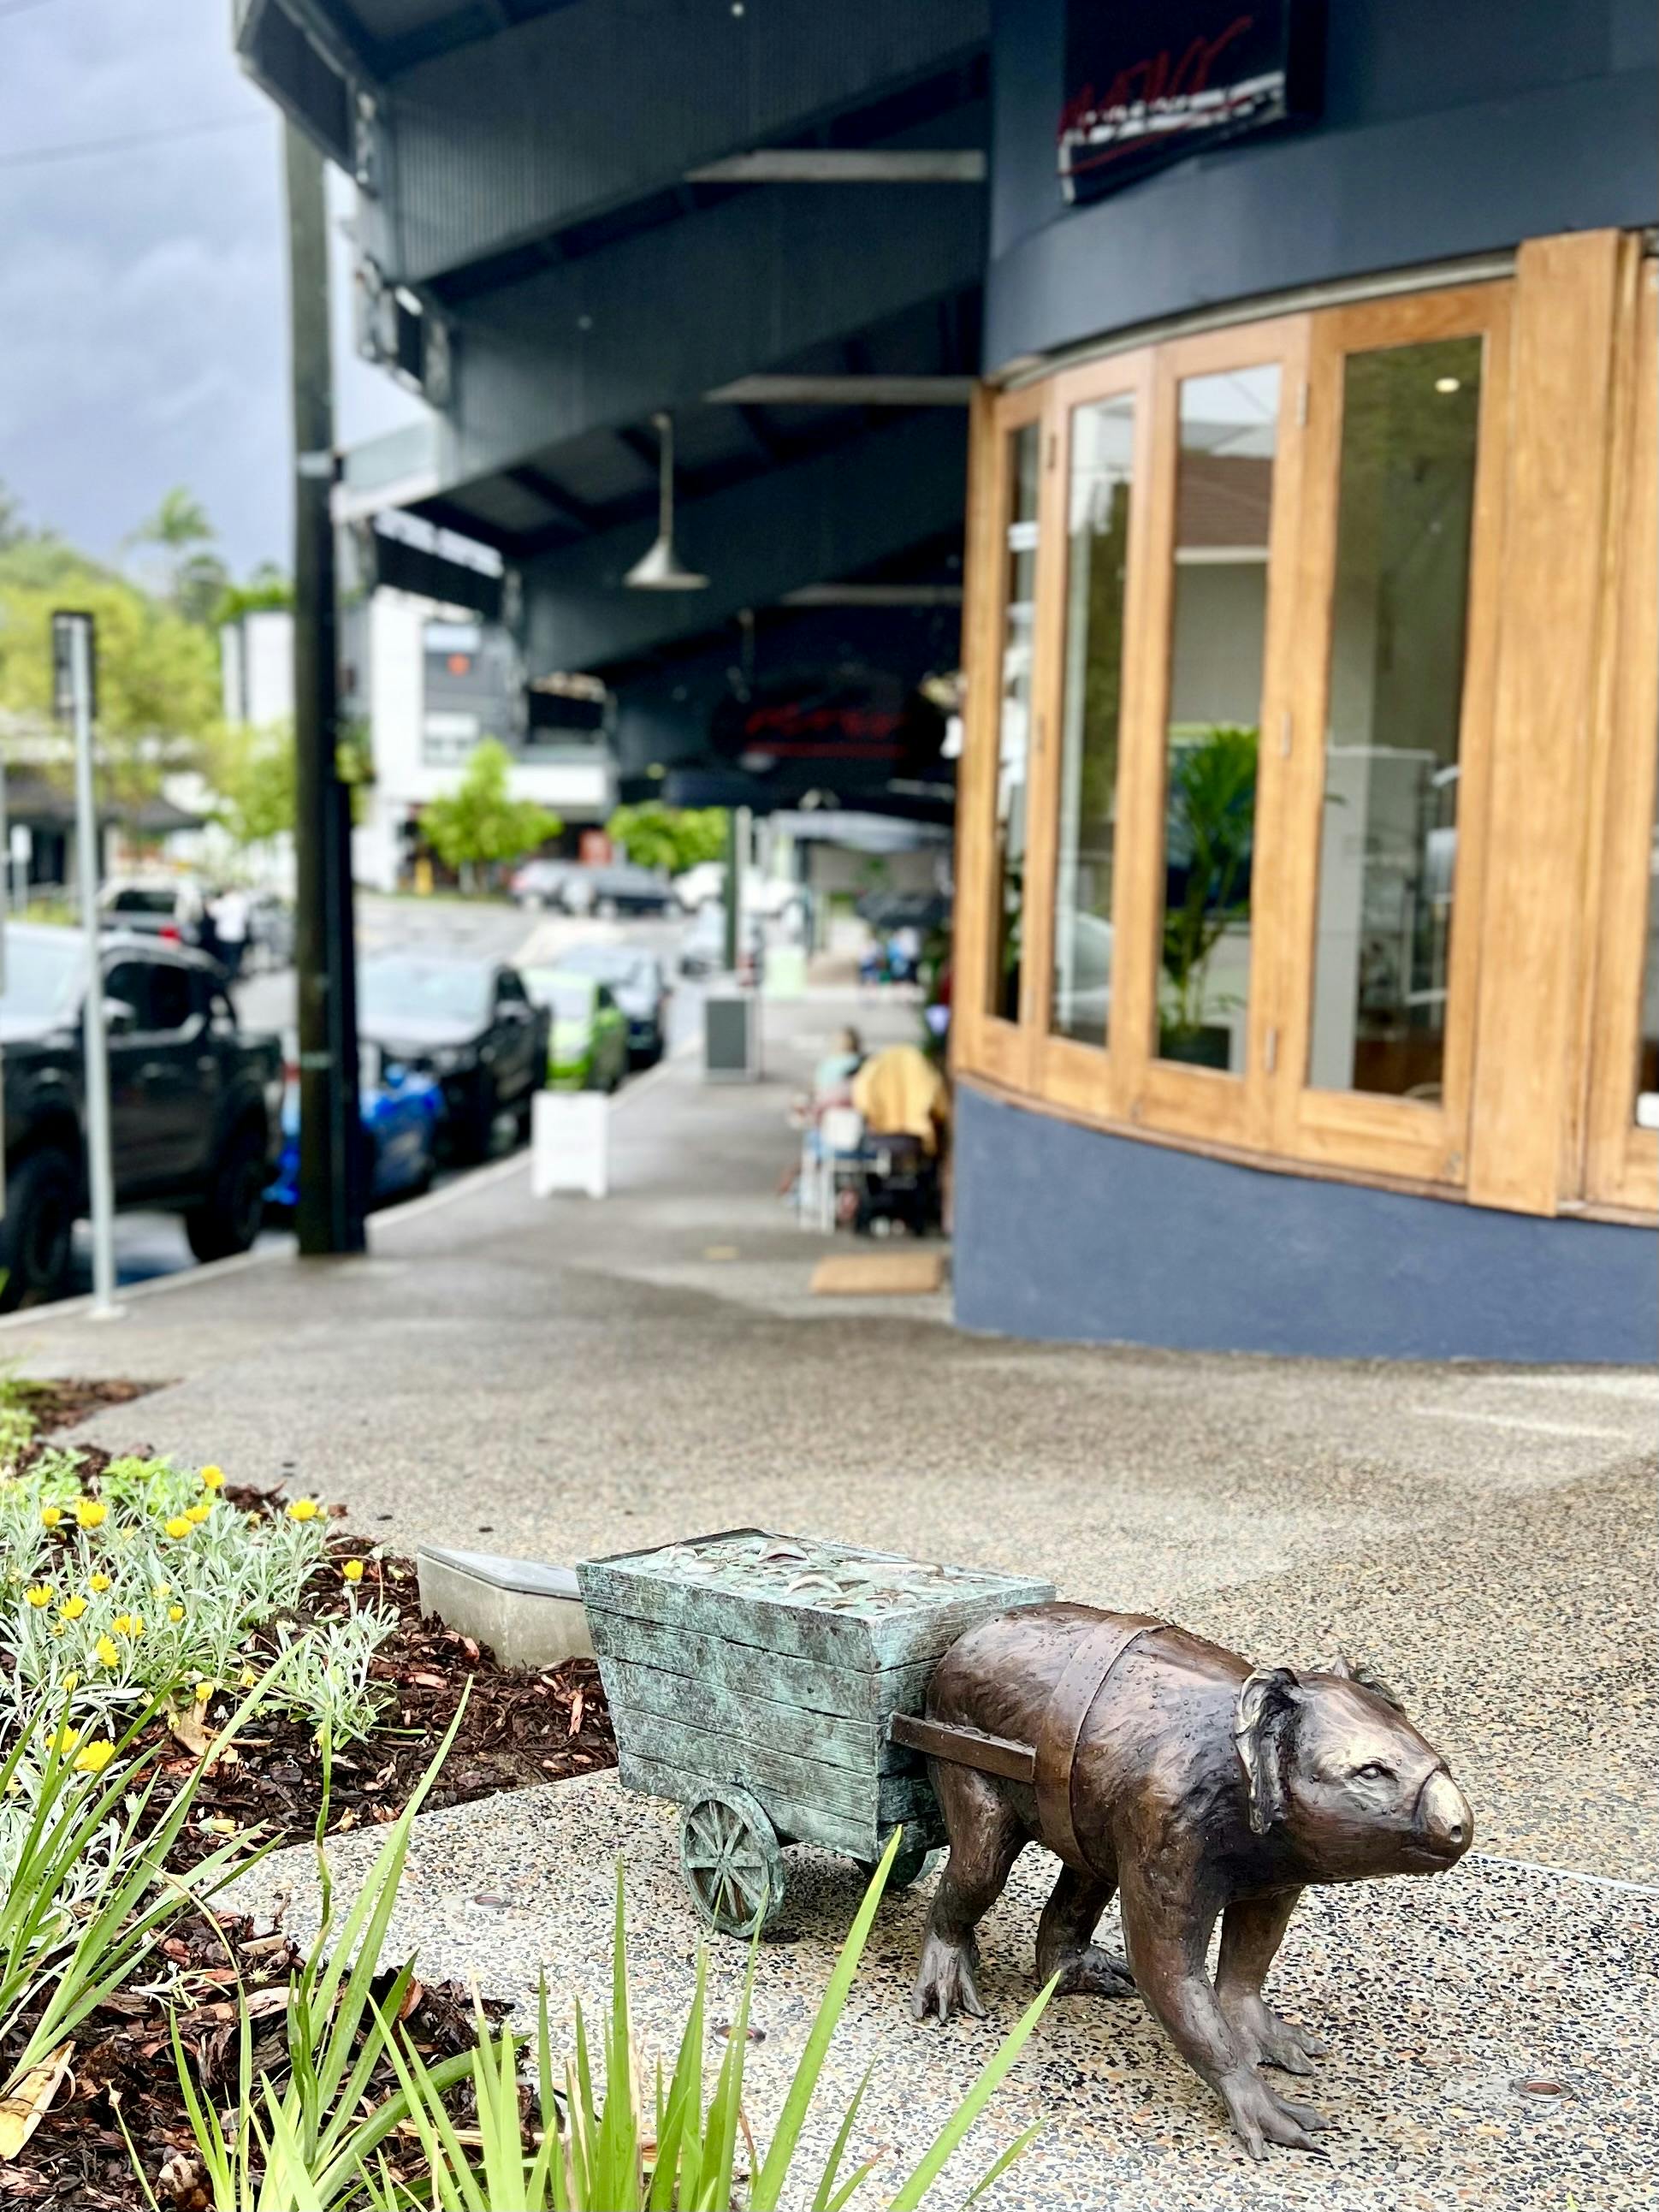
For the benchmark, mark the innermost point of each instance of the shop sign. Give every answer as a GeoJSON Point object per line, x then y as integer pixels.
{"type": "Point", "coordinates": [1148, 82]}
{"type": "Point", "coordinates": [851, 727]}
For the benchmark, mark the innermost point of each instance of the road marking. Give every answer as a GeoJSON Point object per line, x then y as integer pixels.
{"type": "Point", "coordinates": [1520, 1421]}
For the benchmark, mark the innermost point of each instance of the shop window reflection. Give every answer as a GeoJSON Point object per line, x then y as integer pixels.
{"type": "Point", "coordinates": [1223, 508]}
{"type": "Point", "coordinates": [1014, 721]}
{"type": "Point", "coordinates": [1389, 840]}
{"type": "Point", "coordinates": [1097, 557]}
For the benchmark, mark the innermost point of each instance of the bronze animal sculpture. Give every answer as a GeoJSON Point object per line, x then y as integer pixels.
{"type": "Point", "coordinates": [1168, 1770]}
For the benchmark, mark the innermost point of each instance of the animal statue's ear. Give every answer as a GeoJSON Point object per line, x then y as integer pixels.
{"type": "Point", "coordinates": [1265, 1702]}
{"type": "Point", "coordinates": [1356, 1670]}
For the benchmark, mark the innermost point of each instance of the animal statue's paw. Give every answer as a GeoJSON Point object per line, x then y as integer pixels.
{"type": "Point", "coordinates": [1260, 2115]}
{"type": "Point", "coordinates": [944, 1979]}
{"type": "Point", "coordinates": [1268, 2037]}
{"type": "Point", "coordinates": [1093, 1972]}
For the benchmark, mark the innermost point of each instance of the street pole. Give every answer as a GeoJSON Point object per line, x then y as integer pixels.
{"type": "Point", "coordinates": [735, 817]}
{"type": "Point", "coordinates": [329, 1217]}
{"type": "Point", "coordinates": [94, 1044]}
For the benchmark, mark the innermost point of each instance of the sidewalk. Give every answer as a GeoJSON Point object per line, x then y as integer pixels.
{"type": "Point", "coordinates": [564, 1378]}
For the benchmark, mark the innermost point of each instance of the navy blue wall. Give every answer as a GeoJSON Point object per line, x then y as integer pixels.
{"type": "Point", "coordinates": [1066, 1232]}
{"type": "Point", "coordinates": [1449, 127]}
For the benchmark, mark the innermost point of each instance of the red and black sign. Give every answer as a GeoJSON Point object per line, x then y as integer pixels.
{"type": "Point", "coordinates": [849, 727]}
{"type": "Point", "coordinates": [1148, 82]}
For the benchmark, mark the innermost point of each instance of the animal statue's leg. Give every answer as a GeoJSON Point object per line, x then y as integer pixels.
{"type": "Point", "coordinates": [1065, 1944]}
{"type": "Point", "coordinates": [1252, 1929]}
{"type": "Point", "coordinates": [985, 1841]}
{"type": "Point", "coordinates": [1168, 1935]}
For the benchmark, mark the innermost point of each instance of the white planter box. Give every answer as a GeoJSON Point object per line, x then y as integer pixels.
{"type": "Point", "coordinates": [569, 1135]}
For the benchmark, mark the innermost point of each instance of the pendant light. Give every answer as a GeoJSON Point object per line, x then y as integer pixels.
{"type": "Point", "coordinates": [659, 570]}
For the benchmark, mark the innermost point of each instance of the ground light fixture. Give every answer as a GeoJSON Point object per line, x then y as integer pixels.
{"type": "Point", "coordinates": [661, 569]}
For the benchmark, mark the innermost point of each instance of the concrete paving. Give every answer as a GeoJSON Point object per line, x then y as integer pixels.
{"type": "Point", "coordinates": [564, 1378]}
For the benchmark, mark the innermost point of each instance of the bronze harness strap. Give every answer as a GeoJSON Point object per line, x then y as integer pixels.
{"type": "Point", "coordinates": [1061, 1725]}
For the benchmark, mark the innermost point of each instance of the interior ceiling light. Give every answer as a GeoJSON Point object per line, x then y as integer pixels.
{"type": "Point", "coordinates": [1448, 384]}
{"type": "Point", "coordinates": [661, 569]}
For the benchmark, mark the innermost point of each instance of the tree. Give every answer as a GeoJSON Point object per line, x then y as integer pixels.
{"type": "Point", "coordinates": [253, 771]}
{"type": "Point", "coordinates": [480, 823]}
{"type": "Point", "coordinates": [13, 528]}
{"type": "Point", "coordinates": [672, 837]}
{"type": "Point", "coordinates": [196, 577]}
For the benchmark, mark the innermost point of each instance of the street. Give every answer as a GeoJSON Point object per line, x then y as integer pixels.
{"type": "Point", "coordinates": [149, 1245]}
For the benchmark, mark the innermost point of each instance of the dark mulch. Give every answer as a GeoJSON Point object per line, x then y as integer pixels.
{"type": "Point", "coordinates": [59, 1402]}
{"type": "Point", "coordinates": [78, 2159]}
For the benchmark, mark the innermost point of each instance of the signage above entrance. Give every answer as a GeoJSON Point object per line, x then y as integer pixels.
{"type": "Point", "coordinates": [1148, 82]}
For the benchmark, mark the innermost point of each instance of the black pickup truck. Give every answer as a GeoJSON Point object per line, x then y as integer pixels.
{"type": "Point", "coordinates": [195, 1102]}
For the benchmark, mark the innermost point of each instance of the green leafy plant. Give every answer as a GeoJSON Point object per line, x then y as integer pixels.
{"type": "Point", "coordinates": [616, 2154]}
{"type": "Point", "coordinates": [672, 837]}
{"type": "Point", "coordinates": [480, 823]}
{"type": "Point", "coordinates": [1210, 819]}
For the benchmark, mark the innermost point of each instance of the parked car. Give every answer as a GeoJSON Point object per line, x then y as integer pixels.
{"type": "Point", "coordinates": [468, 1023]}
{"type": "Point", "coordinates": [402, 1112]}
{"type": "Point", "coordinates": [270, 932]}
{"type": "Point", "coordinates": [588, 1046]}
{"type": "Point", "coordinates": [544, 882]}
{"type": "Point", "coordinates": [195, 1100]}
{"type": "Point", "coordinates": [165, 907]}
{"type": "Point", "coordinates": [636, 981]}
{"type": "Point", "coordinates": [620, 887]}
{"type": "Point", "coordinates": [703, 948]}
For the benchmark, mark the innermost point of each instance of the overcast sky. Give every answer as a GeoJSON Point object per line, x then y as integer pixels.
{"type": "Point", "coordinates": [142, 288]}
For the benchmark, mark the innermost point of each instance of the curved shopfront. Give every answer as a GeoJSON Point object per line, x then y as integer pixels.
{"type": "Point", "coordinates": [1307, 977]}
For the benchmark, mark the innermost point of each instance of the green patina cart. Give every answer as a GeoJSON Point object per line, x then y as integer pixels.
{"type": "Point", "coordinates": [752, 1678]}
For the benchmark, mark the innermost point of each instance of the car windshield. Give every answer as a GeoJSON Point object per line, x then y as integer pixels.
{"type": "Point", "coordinates": [569, 998]}
{"type": "Point", "coordinates": [621, 968]}
{"type": "Point", "coordinates": [400, 989]}
{"type": "Point", "coordinates": [144, 902]}
{"type": "Point", "coordinates": [43, 976]}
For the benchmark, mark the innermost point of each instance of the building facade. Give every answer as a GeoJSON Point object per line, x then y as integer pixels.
{"type": "Point", "coordinates": [1307, 992]}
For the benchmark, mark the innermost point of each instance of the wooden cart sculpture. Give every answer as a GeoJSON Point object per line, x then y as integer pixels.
{"type": "Point", "coordinates": [755, 1678]}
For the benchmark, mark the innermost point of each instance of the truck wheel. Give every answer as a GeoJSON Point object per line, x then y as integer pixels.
{"type": "Point", "coordinates": [229, 1221]}
{"type": "Point", "coordinates": [41, 1202]}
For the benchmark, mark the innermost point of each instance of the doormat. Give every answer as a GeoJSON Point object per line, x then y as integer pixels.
{"type": "Point", "coordinates": [878, 1274]}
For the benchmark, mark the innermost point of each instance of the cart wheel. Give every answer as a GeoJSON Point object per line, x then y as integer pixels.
{"type": "Point", "coordinates": [733, 1863]}
{"type": "Point", "coordinates": [912, 1859]}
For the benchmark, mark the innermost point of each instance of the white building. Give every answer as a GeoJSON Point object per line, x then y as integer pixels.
{"type": "Point", "coordinates": [433, 684]}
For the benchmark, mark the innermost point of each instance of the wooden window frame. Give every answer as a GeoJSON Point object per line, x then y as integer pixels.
{"type": "Point", "coordinates": [1557, 751]}
{"type": "Point", "coordinates": [1417, 1138]}
{"type": "Point", "coordinates": [1622, 1163]}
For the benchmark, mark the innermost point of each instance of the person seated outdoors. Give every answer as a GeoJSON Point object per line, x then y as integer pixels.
{"type": "Point", "coordinates": [900, 1092]}
{"type": "Point", "coordinates": [832, 1078]}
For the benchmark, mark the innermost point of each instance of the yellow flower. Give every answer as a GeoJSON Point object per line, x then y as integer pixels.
{"type": "Point", "coordinates": [57, 1628]}
{"type": "Point", "coordinates": [93, 1758]}
{"type": "Point", "coordinates": [247, 1678]}
{"type": "Point", "coordinates": [198, 1514]}
{"type": "Point", "coordinates": [121, 1624]}
{"type": "Point", "coordinates": [303, 1509]}
{"type": "Point", "coordinates": [213, 1478]}
{"type": "Point", "coordinates": [73, 1607]}
{"type": "Point", "coordinates": [91, 1512]}
{"type": "Point", "coordinates": [178, 1526]}
{"type": "Point", "coordinates": [175, 1613]}
{"type": "Point", "coordinates": [64, 1742]}
{"type": "Point", "coordinates": [51, 1515]}
{"type": "Point", "coordinates": [352, 1569]}
{"type": "Point", "coordinates": [204, 1691]}
{"type": "Point", "coordinates": [108, 1651]}
{"type": "Point", "coordinates": [98, 1582]}
{"type": "Point", "coordinates": [136, 1628]}
{"type": "Point", "coordinates": [161, 1590]}
{"type": "Point", "coordinates": [217, 1825]}
{"type": "Point", "coordinates": [39, 1595]}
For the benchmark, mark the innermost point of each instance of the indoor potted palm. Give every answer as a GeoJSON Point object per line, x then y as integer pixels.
{"type": "Point", "coordinates": [1211, 816]}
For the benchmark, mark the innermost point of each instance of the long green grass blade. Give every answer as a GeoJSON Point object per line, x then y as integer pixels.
{"type": "Point", "coordinates": [985, 2085]}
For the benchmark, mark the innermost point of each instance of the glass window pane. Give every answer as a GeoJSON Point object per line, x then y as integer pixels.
{"type": "Point", "coordinates": [1098, 559]}
{"type": "Point", "coordinates": [1223, 511]}
{"type": "Point", "coordinates": [1405, 504]}
{"type": "Point", "coordinates": [1014, 727]}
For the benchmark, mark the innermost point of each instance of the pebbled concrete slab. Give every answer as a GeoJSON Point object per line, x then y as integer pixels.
{"type": "Point", "coordinates": [1438, 1998]}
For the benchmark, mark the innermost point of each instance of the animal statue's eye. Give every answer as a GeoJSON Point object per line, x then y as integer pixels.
{"type": "Point", "coordinates": [1373, 1771]}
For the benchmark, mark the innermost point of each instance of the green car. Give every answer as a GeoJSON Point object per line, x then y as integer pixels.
{"type": "Point", "coordinates": [587, 1046]}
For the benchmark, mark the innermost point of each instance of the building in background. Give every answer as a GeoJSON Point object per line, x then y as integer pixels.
{"type": "Point", "coordinates": [1306, 967]}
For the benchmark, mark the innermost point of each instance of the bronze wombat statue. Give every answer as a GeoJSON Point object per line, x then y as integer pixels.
{"type": "Point", "coordinates": [1169, 1770]}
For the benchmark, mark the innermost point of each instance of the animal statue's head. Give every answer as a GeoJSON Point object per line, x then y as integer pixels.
{"type": "Point", "coordinates": [1334, 1769]}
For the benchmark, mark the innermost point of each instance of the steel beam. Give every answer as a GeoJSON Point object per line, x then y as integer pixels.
{"type": "Point", "coordinates": [845, 165]}
{"type": "Point", "coordinates": [846, 392]}
{"type": "Point", "coordinates": [758, 541]}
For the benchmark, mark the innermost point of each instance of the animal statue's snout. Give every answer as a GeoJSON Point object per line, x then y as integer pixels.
{"type": "Point", "coordinates": [1444, 1819]}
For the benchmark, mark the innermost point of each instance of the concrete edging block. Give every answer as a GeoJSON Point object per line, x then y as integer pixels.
{"type": "Point", "coordinates": [529, 1612]}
